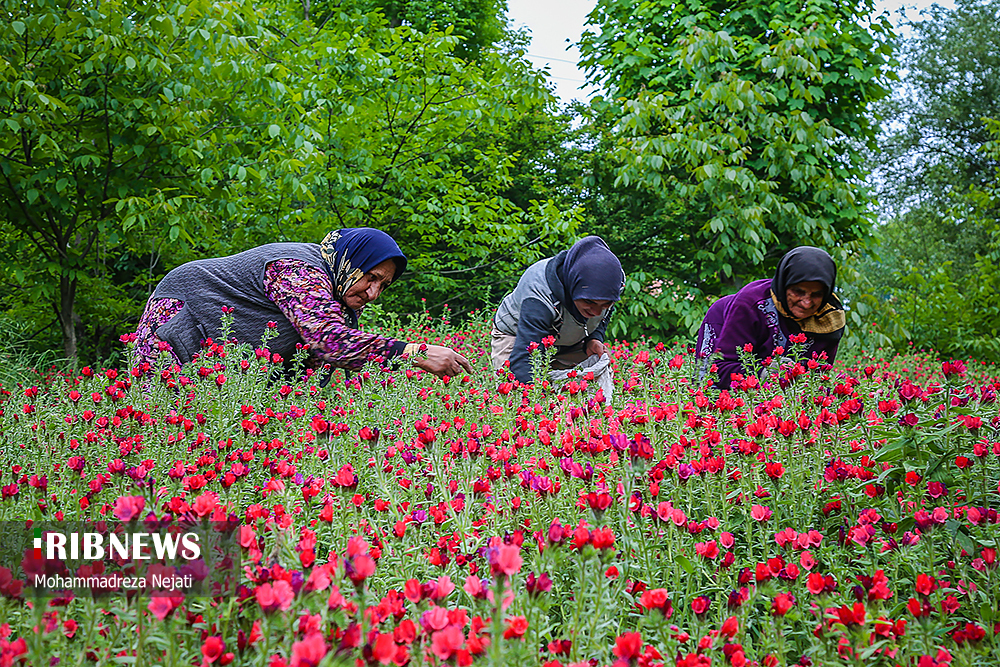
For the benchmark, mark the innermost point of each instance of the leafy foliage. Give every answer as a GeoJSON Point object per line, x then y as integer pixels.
{"type": "Point", "coordinates": [209, 129]}
{"type": "Point", "coordinates": [98, 105]}
{"type": "Point", "coordinates": [935, 126]}
{"type": "Point", "coordinates": [932, 275]}
{"type": "Point", "coordinates": [741, 124]}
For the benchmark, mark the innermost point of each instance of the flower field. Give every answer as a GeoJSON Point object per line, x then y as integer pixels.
{"type": "Point", "coordinates": [828, 516]}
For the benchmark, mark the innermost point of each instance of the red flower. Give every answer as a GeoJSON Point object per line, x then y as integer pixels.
{"type": "Point", "coordinates": [707, 549]}
{"type": "Point", "coordinates": [384, 649]}
{"type": "Point", "coordinates": [730, 627]}
{"type": "Point", "coordinates": [782, 603]}
{"type": "Point", "coordinates": [852, 615]}
{"type": "Point", "coordinates": [360, 568]}
{"type": "Point", "coordinates": [950, 368]}
{"type": "Point", "coordinates": [936, 489]}
{"type": "Point", "coordinates": [950, 604]}
{"type": "Point", "coordinates": [657, 598]}
{"type": "Point", "coordinates": [603, 538]}
{"type": "Point", "coordinates": [917, 609]}
{"type": "Point", "coordinates": [516, 627]}
{"type": "Point", "coordinates": [213, 649]}
{"type": "Point", "coordinates": [701, 604]}
{"type": "Point", "coordinates": [411, 589]}
{"type": "Point", "coordinates": [628, 646]}
{"type": "Point", "coordinates": [925, 584]}
{"type": "Point", "coordinates": [818, 583]}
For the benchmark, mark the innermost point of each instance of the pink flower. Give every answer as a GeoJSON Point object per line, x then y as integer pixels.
{"type": "Point", "coordinates": [162, 606]}
{"type": "Point", "coordinates": [247, 537]}
{"type": "Point", "coordinates": [783, 537]}
{"type": "Point", "coordinates": [474, 586]}
{"type": "Point", "coordinates": [309, 651]}
{"type": "Point", "coordinates": [275, 596]}
{"type": "Point", "coordinates": [444, 587]}
{"type": "Point", "coordinates": [446, 642]}
{"type": "Point", "coordinates": [508, 560]}
{"type": "Point", "coordinates": [760, 513]}
{"type": "Point", "coordinates": [129, 507]}
{"type": "Point", "coordinates": [707, 549]}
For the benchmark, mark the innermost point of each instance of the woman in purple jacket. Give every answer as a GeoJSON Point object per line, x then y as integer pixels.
{"type": "Point", "coordinates": [799, 299]}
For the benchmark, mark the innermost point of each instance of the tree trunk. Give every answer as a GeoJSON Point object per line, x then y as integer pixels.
{"type": "Point", "coordinates": [66, 315]}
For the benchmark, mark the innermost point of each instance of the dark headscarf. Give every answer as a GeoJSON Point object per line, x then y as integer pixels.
{"type": "Point", "coordinates": [805, 264]}
{"type": "Point", "coordinates": [591, 271]}
{"type": "Point", "coordinates": [352, 252]}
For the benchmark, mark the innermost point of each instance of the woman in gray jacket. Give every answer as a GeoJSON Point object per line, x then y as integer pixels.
{"type": "Point", "coordinates": [569, 297]}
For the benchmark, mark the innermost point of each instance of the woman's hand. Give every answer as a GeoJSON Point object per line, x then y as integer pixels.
{"type": "Point", "coordinates": [443, 361]}
{"type": "Point", "coordinates": [595, 347]}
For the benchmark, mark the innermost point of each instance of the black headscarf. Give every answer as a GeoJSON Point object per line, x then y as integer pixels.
{"type": "Point", "coordinates": [591, 271]}
{"type": "Point", "coordinates": [805, 264]}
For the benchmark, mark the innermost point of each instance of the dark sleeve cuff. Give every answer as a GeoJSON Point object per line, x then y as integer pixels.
{"type": "Point", "coordinates": [395, 349]}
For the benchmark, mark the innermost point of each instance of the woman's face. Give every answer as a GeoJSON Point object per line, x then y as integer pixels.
{"type": "Point", "coordinates": [368, 288]}
{"type": "Point", "coordinates": [804, 298]}
{"type": "Point", "coordinates": [590, 308]}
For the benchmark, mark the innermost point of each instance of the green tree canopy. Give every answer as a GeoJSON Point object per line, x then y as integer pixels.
{"type": "Point", "coordinates": [931, 277]}
{"type": "Point", "coordinates": [136, 141]}
{"type": "Point", "coordinates": [935, 129]}
{"type": "Point", "coordinates": [738, 125]}
{"type": "Point", "coordinates": [98, 102]}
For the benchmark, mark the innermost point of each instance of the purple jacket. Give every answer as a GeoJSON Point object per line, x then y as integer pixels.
{"type": "Point", "coordinates": [749, 316]}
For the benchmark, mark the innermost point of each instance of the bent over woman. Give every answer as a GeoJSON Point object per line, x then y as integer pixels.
{"type": "Point", "coordinates": [568, 297]}
{"type": "Point", "coordinates": [311, 292]}
{"type": "Point", "coordinates": [799, 299]}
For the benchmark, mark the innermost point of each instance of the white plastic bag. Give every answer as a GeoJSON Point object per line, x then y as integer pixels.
{"type": "Point", "coordinates": [600, 366]}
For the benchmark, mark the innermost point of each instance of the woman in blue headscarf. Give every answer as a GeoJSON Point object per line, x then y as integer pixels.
{"type": "Point", "coordinates": [311, 294]}
{"type": "Point", "coordinates": [568, 297]}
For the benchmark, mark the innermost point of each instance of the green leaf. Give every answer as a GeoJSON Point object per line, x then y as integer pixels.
{"type": "Point", "coordinates": [686, 564]}
{"type": "Point", "coordinates": [273, 131]}
{"type": "Point", "coordinates": [18, 27]}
